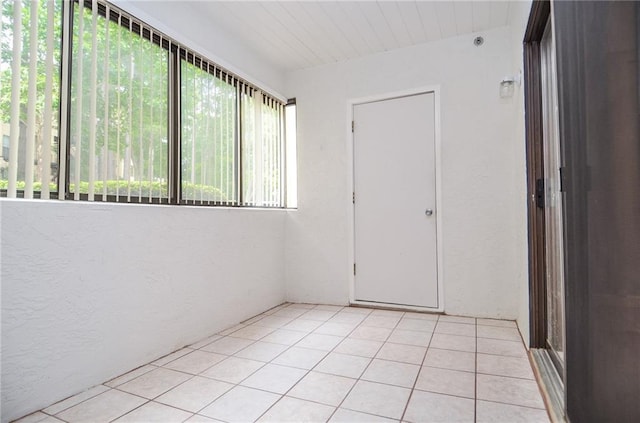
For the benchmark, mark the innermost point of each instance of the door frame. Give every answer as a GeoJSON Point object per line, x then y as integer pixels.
{"type": "Point", "coordinates": [538, 18]}
{"type": "Point", "coordinates": [351, 103]}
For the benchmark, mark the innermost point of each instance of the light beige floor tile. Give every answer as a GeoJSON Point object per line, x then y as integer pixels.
{"type": "Point", "coordinates": [153, 412]}
{"type": "Point", "coordinates": [274, 378]}
{"type": "Point", "coordinates": [318, 341]}
{"type": "Point", "coordinates": [360, 347]}
{"type": "Point", "coordinates": [417, 324]}
{"type": "Point", "coordinates": [240, 405]}
{"type": "Point", "coordinates": [349, 416]}
{"type": "Point", "coordinates": [232, 329]}
{"type": "Point", "coordinates": [421, 316]}
{"type": "Point", "coordinates": [205, 341]}
{"type": "Point", "coordinates": [284, 337]}
{"type": "Point", "coordinates": [500, 347]}
{"type": "Point", "coordinates": [496, 322]}
{"type": "Point", "coordinates": [154, 383]}
{"type": "Point", "coordinates": [76, 399]}
{"type": "Point", "coordinates": [303, 325]}
{"type": "Point", "coordinates": [195, 362]}
{"type": "Point", "coordinates": [357, 310]}
{"type": "Point", "coordinates": [290, 312]}
{"type": "Point", "coordinates": [51, 419]}
{"type": "Point", "coordinates": [381, 321]}
{"type": "Point", "coordinates": [403, 353]}
{"type": "Point", "coordinates": [227, 345]}
{"type": "Point", "coordinates": [388, 313]}
{"type": "Point", "coordinates": [438, 408]}
{"type": "Point", "coordinates": [129, 376]}
{"type": "Point", "coordinates": [453, 342]}
{"type": "Point", "coordinates": [455, 328]}
{"type": "Point", "coordinates": [321, 315]}
{"type": "Point", "coordinates": [170, 357]}
{"type": "Point", "coordinates": [457, 319]}
{"type": "Point", "coordinates": [194, 394]}
{"type": "Point", "coordinates": [253, 320]}
{"type": "Point", "coordinates": [392, 373]}
{"type": "Point", "coordinates": [452, 360]}
{"type": "Point", "coordinates": [253, 332]}
{"type": "Point", "coordinates": [376, 398]}
{"type": "Point", "coordinates": [261, 351]}
{"type": "Point", "coordinates": [509, 390]}
{"type": "Point", "coordinates": [302, 358]}
{"type": "Point", "coordinates": [304, 306]}
{"type": "Point", "coordinates": [328, 307]}
{"type": "Point", "coordinates": [493, 412]}
{"type": "Point", "coordinates": [450, 382]}
{"type": "Point", "coordinates": [32, 418]}
{"type": "Point", "coordinates": [295, 410]}
{"type": "Point", "coordinates": [507, 334]}
{"type": "Point", "coordinates": [323, 388]}
{"type": "Point", "coordinates": [274, 321]}
{"type": "Point", "coordinates": [102, 408]}
{"type": "Point", "coordinates": [336, 329]}
{"type": "Point", "coordinates": [233, 369]}
{"type": "Point", "coordinates": [371, 332]}
{"type": "Point", "coordinates": [348, 317]}
{"type": "Point", "coordinates": [410, 337]}
{"type": "Point", "coordinates": [504, 366]}
{"type": "Point", "coordinates": [196, 418]}
{"type": "Point", "coordinates": [343, 365]}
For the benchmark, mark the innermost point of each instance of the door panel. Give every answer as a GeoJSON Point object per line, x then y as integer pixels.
{"type": "Point", "coordinates": [394, 181]}
{"type": "Point", "coordinates": [554, 252]}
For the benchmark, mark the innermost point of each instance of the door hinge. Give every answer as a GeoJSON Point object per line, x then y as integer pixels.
{"type": "Point", "coordinates": [353, 198]}
{"type": "Point", "coordinates": [353, 125]}
{"type": "Point", "coordinates": [563, 176]}
{"type": "Point", "coordinates": [354, 269]}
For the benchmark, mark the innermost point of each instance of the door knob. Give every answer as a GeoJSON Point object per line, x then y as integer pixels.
{"type": "Point", "coordinates": [428, 212]}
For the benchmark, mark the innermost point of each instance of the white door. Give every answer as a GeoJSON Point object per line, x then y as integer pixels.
{"type": "Point", "coordinates": [395, 201]}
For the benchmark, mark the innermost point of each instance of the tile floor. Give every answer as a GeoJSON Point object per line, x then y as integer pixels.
{"type": "Point", "coordinates": [301, 362]}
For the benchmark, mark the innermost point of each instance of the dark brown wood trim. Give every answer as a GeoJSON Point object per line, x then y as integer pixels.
{"type": "Point", "coordinates": [538, 17]}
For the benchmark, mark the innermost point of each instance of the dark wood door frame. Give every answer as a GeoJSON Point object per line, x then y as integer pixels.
{"type": "Point", "coordinates": [538, 18]}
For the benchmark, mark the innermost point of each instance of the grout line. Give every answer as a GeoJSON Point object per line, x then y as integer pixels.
{"type": "Point", "coordinates": [475, 377]}
{"type": "Point", "coordinates": [415, 382]}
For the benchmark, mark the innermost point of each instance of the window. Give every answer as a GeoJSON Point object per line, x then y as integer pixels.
{"type": "Point", "coordinates": [119, 107]}
{"type": "Point", "coordinates": [209, 115]}
{"type": "Point", "coordinates": [142, 117]}
{"type": "Point", "coordinates": [29, 90]}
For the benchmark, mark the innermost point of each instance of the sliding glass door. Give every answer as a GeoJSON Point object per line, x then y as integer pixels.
{"type": "Point", "coordinates": [554, 250]}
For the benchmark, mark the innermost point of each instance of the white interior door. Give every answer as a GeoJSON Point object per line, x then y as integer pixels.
{"type": "Point", "coordinates": [395, 201]}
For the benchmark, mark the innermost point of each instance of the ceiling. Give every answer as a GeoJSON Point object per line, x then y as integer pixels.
{"type": "Point", "coordinates": [300, 34]}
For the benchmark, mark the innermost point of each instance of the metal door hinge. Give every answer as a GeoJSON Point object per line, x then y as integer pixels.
{"type": "Point", "coordinates": [353, 125]}
{"type": "Point", "coordinates": [354, 269]}
{"type": "Point", "coordinates": [353, 198]}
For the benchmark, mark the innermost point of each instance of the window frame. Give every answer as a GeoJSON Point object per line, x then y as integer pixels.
{"type": "Point", "coordinates": [177, 53]}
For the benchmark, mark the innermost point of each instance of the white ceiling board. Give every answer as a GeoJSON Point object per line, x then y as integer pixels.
{"type": "Point", "coordinates": [481, 16]}
{"type": "Point", "coordinates": [379, 25]}
{"type": "Point", "coordinates": [354, 17]}
{"type": "Point", "coordinates": [415, 27]}
{"type": "Point", "coordinates": [430, 22]}
{"type": "Point", "coordinates": [446, 13]}
{"type": "Point", "coordinates": [353, 30]}
{"type": "Point", "coordinates": [301, 34]}
{"type": "Point", "coordinates": [464, 17]}
{"type": "Point", "coordinates": [395, 20]}
{"type": "Point", "coordinates": [499, 14]}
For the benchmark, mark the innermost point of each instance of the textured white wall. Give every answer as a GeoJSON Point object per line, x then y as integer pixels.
{"type": "Point", "coordinates": [483, 213]}
{"type": "Point", "coordinates": [90, 290]}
